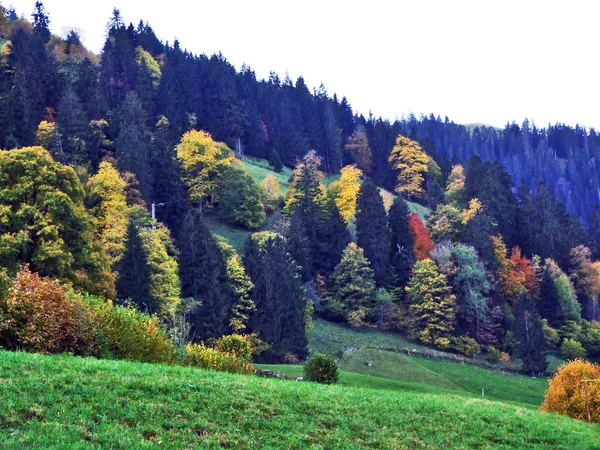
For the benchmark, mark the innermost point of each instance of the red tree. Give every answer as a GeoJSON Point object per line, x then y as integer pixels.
{"type": "Point", "coordinates": [421, 243]}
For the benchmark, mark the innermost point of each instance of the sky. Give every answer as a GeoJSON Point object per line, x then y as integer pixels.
{"type": "Point", "coordinates": [475, 61]}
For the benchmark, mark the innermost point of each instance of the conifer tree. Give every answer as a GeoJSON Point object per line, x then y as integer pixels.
{"type": "Point", "coordinates": [333, 238]}
{"type": "Point", "coordinates": [280, 317]}
{"type": "Point", "coordinates": [402, 255]}
{"type": "Point", "coordinates": [432, 306]}
{"type": "Point", "coordinates": [549, 304]}
{"type": "Point", "coordinates": [204, 278]}
{"type": "Point", "coordinates": [133, 144]}
{"type": "Point", "coordinates": [353, 280]}
{"type": "Point", "coordinates": [529, 333]}
{"type": "Point", "coordinates": [133, 282]}
{"type": "Point", "coordinates": [372, 233]}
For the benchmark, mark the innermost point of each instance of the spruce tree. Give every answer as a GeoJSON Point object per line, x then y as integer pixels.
{"type": "Point", "coordinates": [204, 278]}
{"type": "Point", "coordinates": [372, 231]}
{"type": "Point", "coordinates": [549, 302]}
{"type": "Point", "coordinates": [333, 237]}
{"type": "Point", "coordinates": [133, 144]}
{"type": "Point", "coordinates": [402, 256]}
{"type": "Point", "coordinates": [280, 317]}
{"type": "Point", "coordinates": [594, 232]}
{"type": "Point", "coordinates": [133, 281]}
{"type": "Point", "coordinates": [529, 333]}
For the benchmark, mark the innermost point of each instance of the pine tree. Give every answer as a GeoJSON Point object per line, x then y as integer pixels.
{"type": "Point", "coordinates": [333, 238]}
{"type": "Point", "coordinates": [280, 317]}
{"type": "Point", "coordinates": [549, 304]}
{"type": "Point", "coordinates": [529, 333]}
{"type": "Point", "coordinates": [432, 306]}
{"type": "Point", "coordinates": [133, 281]}
{"type": "Point", "coordinates": [402, 256]}
{"type": "Point", "coordinates": [594, 232]}
{"type": "Point", "coordinates": [353, 280]}
{"type": "Point", "coordinates": [372, 233]}
{"type": "Point", "coordinates": [204, 278]}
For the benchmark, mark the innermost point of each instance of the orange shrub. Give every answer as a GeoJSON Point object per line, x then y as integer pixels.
{"type": "Point", "coordinates": [566, 394]}
{"type": "Point", "coordinates": [36, 315]}
{"type": "Point", "coordinates": [235, 344]}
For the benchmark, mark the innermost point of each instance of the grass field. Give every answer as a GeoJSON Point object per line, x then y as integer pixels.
{"type": "Point", "coordinates": [260, 168]}
{"type": "Point", "coordinates": [65, 402]}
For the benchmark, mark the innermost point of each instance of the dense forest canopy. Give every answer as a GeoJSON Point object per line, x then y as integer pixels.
{"type": "Point", "coordinates": [115, 163]}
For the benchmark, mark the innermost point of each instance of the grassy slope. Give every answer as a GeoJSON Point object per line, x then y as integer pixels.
{"type": "Point", "coordinates": [330, 338]}
{"type": "Point", "coordinates": [59, 401]}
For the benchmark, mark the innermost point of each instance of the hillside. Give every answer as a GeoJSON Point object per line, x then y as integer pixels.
{"type": "Point", "coordinates": [48, 401]}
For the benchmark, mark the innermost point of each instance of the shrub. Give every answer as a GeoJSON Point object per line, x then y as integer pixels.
{"type": "Point", "coordinates": [571, 349]}
{"type": "Point", "coordinates": [566, 392]}
{"type": "Point", "coordinates": [493, 355]}
{"type": "Point", "coordinates": [466, 345]}
{"type": "Point", "coordinates": [236, 345]}
{"type": "Point", "coordinates": [590, 338]}
{"type": "Point", "coordinates": [198, 355]}
{"type": "Point", "coordinates": [322, 369]}
{"type": "Point", "coordinates": [131, 334]}
{"type": "Point", "coordinates": [36, 315]}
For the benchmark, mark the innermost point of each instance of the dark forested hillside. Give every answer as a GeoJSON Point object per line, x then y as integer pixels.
{"type": "Point", "coordinates": [118, 166]}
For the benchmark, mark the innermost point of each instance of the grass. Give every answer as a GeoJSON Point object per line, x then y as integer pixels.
{"type": "Point", "coordinates": [332, 339]}
{"type": "Point", "coordinates": [260, 168]}
{"type": "Point", "coordinates": [62, 401]}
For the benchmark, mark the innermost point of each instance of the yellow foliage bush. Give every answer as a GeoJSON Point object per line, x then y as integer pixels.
{"type": "Point", "coordinates": [566, 394]}
{"type": "Point", "coordinates": [199, 355]}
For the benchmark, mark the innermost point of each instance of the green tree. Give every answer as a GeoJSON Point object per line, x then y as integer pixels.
{"type": "Point", "coordinates": [242, 199]}
{"type": "Point", "coordinates": [372, 233]}
{"type": "Point", "coordinates": [279, 296]}
{"type": "Point", "coordinates": [133, 144]}
{"type": "Point", "coordinates": [402, 256]}
{"type": "Point", "coordinates": [240, 284]}
{"type": "Point", "coordinates": [432, 306]}
{"type": "Point", "coordinates": [204, 278]}
{"type": "Point", "coordinates": [549, 304]}
{"type": "Point", "coordinates": [529, 333]}
{"type": "Point", "coordinates": [353, 280]}
{"type": "Point", "coordinates": [45, 224]}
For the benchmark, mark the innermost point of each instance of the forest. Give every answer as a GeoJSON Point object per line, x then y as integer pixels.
{"type": "Point", "coordinates": [114, 162]}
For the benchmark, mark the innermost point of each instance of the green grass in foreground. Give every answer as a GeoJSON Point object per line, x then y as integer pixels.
{"type": "Point", "coordinates": [66, 402]}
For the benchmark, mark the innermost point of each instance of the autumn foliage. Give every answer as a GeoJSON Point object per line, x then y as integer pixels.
{"type": "Point", "coordinates": [421, 242]}
{"type": "Point", "coordinates": [231, 354]}
{"type": "Point", "coordinates": [566, 394]}
{"type": "Point", "coordinates": [516, 273]}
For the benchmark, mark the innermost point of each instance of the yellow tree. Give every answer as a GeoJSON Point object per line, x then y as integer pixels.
{"type": "Point", "coordinates": [346, 189]}
{"type": "Point", "coordinates": [455, 187]}
{"type": "Point", "coordinates": [411, 163]}
{"type": "Point", "coordinates": [204, 161]}
{"type": "Point", "coordinates": [272, 189]}
{"type": "Point", "coordinates": [107, 203]}
{"type": "Point", "coordinates": [358, 148]}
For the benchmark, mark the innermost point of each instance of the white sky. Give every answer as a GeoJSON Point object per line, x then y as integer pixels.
{"type": "Point", "coordinates": [487, 61]}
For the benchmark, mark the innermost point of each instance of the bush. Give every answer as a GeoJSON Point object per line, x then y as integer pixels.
{"type": "Point", "coordinates": [566, 393]}
{"type": "Point", "coordinates": [466, 345]}
{"type": "Point", "coordinates": [322, 369]}
{"type": "Point", "coordinates": [493, 355]}
{"type": "Point", "coordinates": [198, 355]}
{"type": "Point", "coordinates": [236, 345]}
{"type": "Point", "coordinates": [36, 315]}
{"type": "Point", "coordinates": [131, 334]}
{"type": "Point", "coordinates": [590, 338]}
{"type": "Point", "coordinates": [571, 349]}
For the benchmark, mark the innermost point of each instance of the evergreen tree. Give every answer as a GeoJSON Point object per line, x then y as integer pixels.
{"type": "Point", "coordinates": [594, 232]}
{"type": "Point", "coordinates": [549, 304]}
{"type": "Point", "coordinates": [133, 282]}
{"type": "Point", "coordinates": [353, 280]}
{"type": "Point", "coordinates": [529, 333]}
{"type": "Point", "coordinates": [372, 233]}
{"type": "Point", "coordinates": [402, 256]}
{"type": "Point", "coordinates": [133, 144]}
{"type": "Point", "coordinates": [333, 238]}
{"type": "Point", "coordinates": [280, 317]}
{"type": "Point", "coordinates": [203, 276]}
